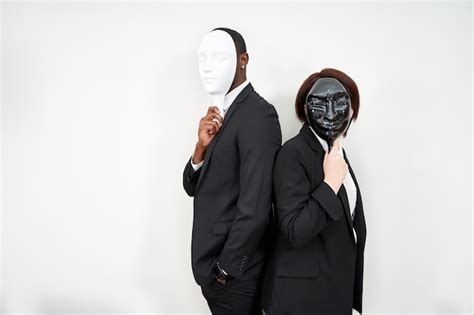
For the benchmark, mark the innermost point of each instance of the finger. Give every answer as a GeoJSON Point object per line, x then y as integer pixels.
{"type": "Point", "coordinates": [216, 123]}
{"type": "Point", "coordinates": [214, 116]}
{"type": "Point", "coordinates": [208, 126]}
{"type": "Point", "coordinates": [213, 124]}
{"type": "Point", "coordinates": [333, 149]}
{"type": "Point", "coordinates": [208, 129]}
{"type": "Point", "coordinates": [212, 130]}
{"type": "Point", "coordinates": [214, 109]}
{"type": "Point", "coordinates": [220, 118]}
{"type": "Point", "coordinates": [338, 143]}
{"type": "Point", "coordinates": [210, 109]}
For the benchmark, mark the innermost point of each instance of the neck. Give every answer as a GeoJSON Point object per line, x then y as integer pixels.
{"type": "Point", "coordinates": [237, 81]}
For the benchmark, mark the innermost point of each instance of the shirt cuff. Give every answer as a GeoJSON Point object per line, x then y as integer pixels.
{"type": "Point", "coordinates": [196, 166]}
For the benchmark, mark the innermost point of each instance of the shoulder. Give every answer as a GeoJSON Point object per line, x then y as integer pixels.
{"type": "Point", "coordinates": [293, 160]}
{"type": "Point", "coordinates": [293, 149]}
{"type": "Point", "coordinates": [258, 119]}
{"type": "Point", "coordinates": [254, 104]}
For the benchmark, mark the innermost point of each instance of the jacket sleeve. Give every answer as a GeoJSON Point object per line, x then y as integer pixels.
{"type": "Point", "coordinates": [302, 213]}
{"type": "Point", "coordinates": [258, 140]}
{"type": "Point", "coordinates": [190, 178]}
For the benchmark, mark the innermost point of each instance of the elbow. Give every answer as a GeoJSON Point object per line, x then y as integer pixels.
{"type": "Point", "coordinates": [189, 192]}
{"type": "Point", "coordinates": [296, 244]}
{"type": "Point", "coordinates": [295, 236]}
{"type": "Point", "coordinates": [188, 187]}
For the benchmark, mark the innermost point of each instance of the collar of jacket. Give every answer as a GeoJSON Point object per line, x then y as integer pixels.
{"type": "Point", "coordinates": [242, 95]}
{"type": "Point", "coordinates": [311, 139]}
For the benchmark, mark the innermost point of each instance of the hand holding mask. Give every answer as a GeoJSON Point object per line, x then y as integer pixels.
{"type": "Point", "coordinates": [335, 167]}
{"type": "Point", "coordinates": [209, 126]}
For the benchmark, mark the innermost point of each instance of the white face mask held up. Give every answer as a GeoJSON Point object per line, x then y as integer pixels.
{"type": "Point", "coordinates": [217, 65]}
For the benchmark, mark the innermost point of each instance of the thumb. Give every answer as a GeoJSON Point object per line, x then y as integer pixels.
{"type": "Point", "coordinates": [334, 148]}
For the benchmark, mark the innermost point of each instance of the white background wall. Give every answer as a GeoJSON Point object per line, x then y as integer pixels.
{"type": "Point", "coordinates": [100, 108]}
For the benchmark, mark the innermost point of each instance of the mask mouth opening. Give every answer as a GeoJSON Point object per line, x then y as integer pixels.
{"type": "Point", "coordinates": [330, 126]}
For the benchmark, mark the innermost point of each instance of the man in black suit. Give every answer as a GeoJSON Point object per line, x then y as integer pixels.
{"type": "Point", "coordinates": [230, 177]}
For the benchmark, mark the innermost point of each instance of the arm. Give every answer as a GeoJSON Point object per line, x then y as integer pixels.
{"type": "Point", "coordinates": [302, 212]}
{"type": "Point", "coordinates": [258, 139]}
{"type": "Point", "coordinates": [209, 126]}
{"type": "Point", "coordinates": [190, 177]}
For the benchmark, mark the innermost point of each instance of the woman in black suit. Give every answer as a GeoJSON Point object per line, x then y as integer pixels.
{"type": "Point", "coordinates": [317, 263]}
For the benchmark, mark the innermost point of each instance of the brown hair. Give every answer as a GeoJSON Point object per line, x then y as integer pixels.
{"type": "Point", "coordinates": [348, 83]}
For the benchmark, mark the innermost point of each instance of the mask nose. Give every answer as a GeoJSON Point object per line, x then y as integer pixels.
{"type": "Point", "coordinates": [330, 113]}
{"type": "Point", "coordinates": [207, 64]}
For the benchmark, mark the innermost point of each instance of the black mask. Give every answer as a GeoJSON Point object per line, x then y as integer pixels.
{"type": "Point", "coordinates": [328, 109]}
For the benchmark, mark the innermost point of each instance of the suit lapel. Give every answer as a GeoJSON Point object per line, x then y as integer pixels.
{"type": "Point", "coordinates": [342, 194]}
{"type": "Point", "coordinates": [210, 149]}
{"type": "Point", "coordinates": [313, 142]}
{"type": "Point", "coordinates": [310, 138]}
{"type": "Point", "coordinates": [358, 207]}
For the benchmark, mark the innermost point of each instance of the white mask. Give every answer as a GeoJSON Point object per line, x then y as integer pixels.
{"type": "Point", "coordinates": [217, 65]}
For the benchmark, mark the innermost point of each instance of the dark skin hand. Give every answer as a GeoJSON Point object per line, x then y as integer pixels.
{"type": "Point", "coordinates": [223, 281]}
{"type": "Point", "coordinates": [210, 124]}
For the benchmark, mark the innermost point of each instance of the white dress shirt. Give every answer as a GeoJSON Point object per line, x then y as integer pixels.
{"type": "Point", "coordinates": [348, 182]}
{"type": "Point", "coordinates": [228, 100]}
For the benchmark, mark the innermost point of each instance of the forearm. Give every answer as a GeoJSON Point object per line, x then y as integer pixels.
{"type": "Point", "coordinates": [198, 155]}
{"type": "Point", "coordinates": [301, 225]}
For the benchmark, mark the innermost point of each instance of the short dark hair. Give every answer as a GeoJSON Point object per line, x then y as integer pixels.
{"type": "Point", "coordinates": [239, 41]}
{"type": "Point", "coordinates": [348, 83]}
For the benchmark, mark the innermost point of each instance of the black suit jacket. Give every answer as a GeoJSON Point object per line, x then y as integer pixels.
{"type": "Point", "coordinates": [232, 191]}
{"type": "Point", "coordinates": [316, 266]}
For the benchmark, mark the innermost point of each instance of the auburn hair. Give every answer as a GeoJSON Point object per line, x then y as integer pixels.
{"type": "Point", "coordinates": [345, 80]}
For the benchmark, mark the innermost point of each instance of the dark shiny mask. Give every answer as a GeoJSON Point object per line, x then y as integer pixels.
{"type": "Point", "coordinates": [328, 109]}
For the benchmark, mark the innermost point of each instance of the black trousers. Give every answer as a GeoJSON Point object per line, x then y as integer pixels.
{"type": "Point", "coordinates": [240, 297]}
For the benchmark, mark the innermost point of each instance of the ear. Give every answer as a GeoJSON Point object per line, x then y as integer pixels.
{"type": "Point", "coordinates": [243, 60]}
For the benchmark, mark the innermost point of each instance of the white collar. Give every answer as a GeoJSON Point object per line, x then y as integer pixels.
{"type": "Point", "coordinates": [230, 97]}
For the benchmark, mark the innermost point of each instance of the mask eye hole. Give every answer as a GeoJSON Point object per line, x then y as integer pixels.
{"type": "Point", "coordinates": [222, 57]}
{"type": "Point", "coordinates": [316, 111]}
{"type": "Point", "coordinates": [342, 104]}
{"type": "Point", "coordinates": [316, 103]}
